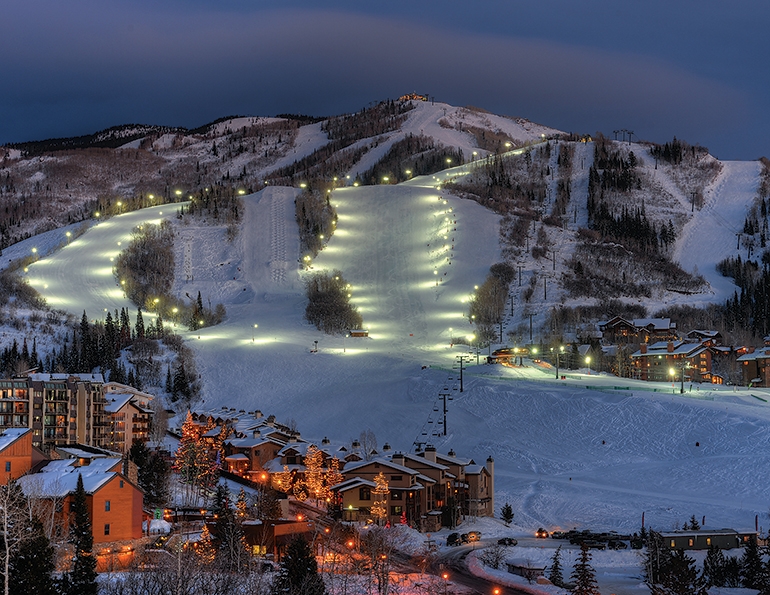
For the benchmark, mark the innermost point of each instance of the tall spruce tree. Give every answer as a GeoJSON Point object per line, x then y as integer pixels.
{"type": "Point", "coordinates": [584, 575]}
{"type": "Point", "coordinates": [751, 565]}
{"type": "Point", "coordinates": [555, 575]}
{"type": "Point", "coordinates": [299, 572]}
{"type": "Point", "coordinates": [81, 580]}
{"type": "Point", "coordinates": [32, 564]}
{"type": "Point", "coordinates": [681, 577]}
{"type": "Point", "coordinates": [714, 567]}
{"type": "Point", "coordinates": [506, 514]}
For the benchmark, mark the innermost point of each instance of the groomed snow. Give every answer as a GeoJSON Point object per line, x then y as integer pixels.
{"type": "Point", "coordinates": [587, 452]}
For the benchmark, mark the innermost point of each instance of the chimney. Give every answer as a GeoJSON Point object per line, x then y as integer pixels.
{"type": "Point", "coordinates": [430, 453]}
{"type": "Point", "coordinates": [451, 453]}
{"type": "Point", "coordinates": [355, 445]}
{"type": "Point", "coordinates": [398, 458]}
{"type": "Point", "coordinates": [256, 434]}
{"type": "Point", "coordinates": [325, 441]}
{"type": "Point", "coordinates": [386, 447]}
{"type": "Point", "coordinates": [643, 348]}
{"type": "Point", "coordinates": [670, 347]}
{"type": "Point", "coordinates": [258, 414]}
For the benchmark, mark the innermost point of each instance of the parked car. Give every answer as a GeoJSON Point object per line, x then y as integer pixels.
{"type": "Point", "coordinates": [541, 533]}
{"type": "Point", "coordinates": [453, 539]}
{"type": "Point", "coordinates": [616, 544]}
{"type": "Point", "coordinates": [507, 541]}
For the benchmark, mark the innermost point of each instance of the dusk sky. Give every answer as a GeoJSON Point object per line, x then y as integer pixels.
{"type": "Point", "coordinates": [696, 70]}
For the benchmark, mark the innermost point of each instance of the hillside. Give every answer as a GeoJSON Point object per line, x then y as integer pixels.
{"type": "Point", "coordinates": [588, 451]}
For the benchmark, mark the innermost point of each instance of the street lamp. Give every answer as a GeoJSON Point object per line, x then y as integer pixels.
{"type": "Point", "coordinates": [253, 332]}
{"type": "Point", "coordinates": [588, 363]}
{"type": "Point", "coordinates": [559, 351]}
{"type": "Point", "coordinates": [69, 235]}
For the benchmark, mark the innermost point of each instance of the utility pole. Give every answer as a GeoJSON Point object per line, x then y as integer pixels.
{"type": "Point", "coordinates": [444, 396]}
{"type": "Point", "coordinates": [530, 328]}
{"type": "Point", "coordinates": [519, 275]}
{"type": "Point", "coordinates": [693, 193]}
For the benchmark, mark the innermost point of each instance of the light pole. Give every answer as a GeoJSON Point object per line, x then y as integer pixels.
{"type": "Point", "coordinates": [588, 363]}
{"type": "Point", "coordinates": [559, 351]}
{"type": "Point", "coordinates": [253, 333]}
{"type": "Point", "coordinates": [344, 347]}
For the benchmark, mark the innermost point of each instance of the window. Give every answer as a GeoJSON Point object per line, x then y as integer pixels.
{"type": "Point", "coordinates": [8, 466]}
{"type": "Point", "coordinates": [364, 493]}
{"type": "Point", "coordinates": [395, 495]}
{"type": "Point", "coordinates": [106, 528]}
{"type": "Point", "coordinates": [121, 483]}
{"type": "Point", "coordinates": [396, 478]}
{"type": "Point", "coordinates": [396, 509]}
{"type": "Point", "coordinates": [673, 543]}
{"type": "Point", "coordinates": [708, 541]}
{"type": "Point", "coordinates": [690, 542]}
{"type": "Point", "coordinates": [106, 506]}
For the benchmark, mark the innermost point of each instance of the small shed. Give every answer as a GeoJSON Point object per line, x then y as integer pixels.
{"type": "Point", "coordinates": [359, 332]}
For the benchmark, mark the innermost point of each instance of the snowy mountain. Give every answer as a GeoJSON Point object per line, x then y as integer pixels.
{"type": "Point", "coordinates": [587, 451]}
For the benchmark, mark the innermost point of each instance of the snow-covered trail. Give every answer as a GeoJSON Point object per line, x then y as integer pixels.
{"type": "Point", "coordinates": [710, 236]}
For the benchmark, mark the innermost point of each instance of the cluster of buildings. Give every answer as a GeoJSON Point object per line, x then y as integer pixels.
{"type": "Point", "coordinates": [664, 355]}
{"type": "Point", "coordinates": [57, 427]}
{"type": "Point", "coordinates": [426, 490]}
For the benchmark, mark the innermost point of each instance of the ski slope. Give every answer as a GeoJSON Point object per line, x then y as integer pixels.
{"type": "Point", "coordinates": [711, 235]}
{"type": "Point", "coordinates": [587, 451]}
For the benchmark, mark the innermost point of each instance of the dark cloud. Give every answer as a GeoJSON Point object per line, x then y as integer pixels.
{"type": "Point", "coordinates": [75, 72]}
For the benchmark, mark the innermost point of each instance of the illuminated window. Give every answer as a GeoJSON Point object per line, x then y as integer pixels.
{"type": "Point", "coordinates": [690, 542]}
{"type": "Point", "coordinates": [708, 541]}
{"type": "Point", "coordinates": [673, 543]}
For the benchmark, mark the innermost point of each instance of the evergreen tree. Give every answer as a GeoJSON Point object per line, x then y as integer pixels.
{"type": "Point", "coordinates": [656, 559]}
{"type": "Point", "coordinates": [555, 575]}
{"type": "Point", "coordinates": [583, 574]}
{"type": "Point", "coordinates": [81, 580]}
{"type": "Point", "coordinates": [714, 567]}
{"type": "Point", "coordinates": [299, 572]}
{"type": "Point", "coordinates": [153, 474]}
{"type": "Point", "coordinates": [506, 514]}
{"type": "Point", "coordinates": [139, 328]}
{"type": "Point", "coordinates": [751, 565]}
{"type": "Point", "coordinates": [694, 525]}
{"type": "Point", "coordinates": [681, 577]}
{"type": "Point", "coordinates": [32, 565]}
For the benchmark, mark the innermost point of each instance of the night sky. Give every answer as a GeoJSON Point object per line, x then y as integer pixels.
{"type": "Point", "coordinates": [697, 70]}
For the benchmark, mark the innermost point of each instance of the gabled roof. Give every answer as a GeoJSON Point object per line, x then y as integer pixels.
{"type": "Point", "coordinates": [761, 353]}
{"type": "Point", "coordinates": [452, 460]}
{"type": "Point", "coordinates": [11, 435]}
{"type": "Point", "coordinates": [352, 483]}
{"type": "Point", "coordinates": [252, 442]}
{"type": "Point", "coordinates": [420, 460]}
{"type": "Point", "coordinates": [679, 348]}
{"type": "Point", "coordinates": [59, 478]}
{"type": "Point", "coordinates": [351, 467]}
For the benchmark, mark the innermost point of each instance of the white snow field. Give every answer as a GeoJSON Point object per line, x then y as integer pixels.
{"type": "Point", "coordinates": [588, 451]}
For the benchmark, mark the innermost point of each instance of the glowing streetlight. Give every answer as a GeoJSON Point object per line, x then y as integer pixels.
{"type": "Point", "coordinates": [588, 363]}
{"type": "Point", "coordinates": [559, 351]}
{"type": "Point", "coordinates": [253, 332]}
{"type": "Point", "coordinates": [385, 179]}
{"type": "Point", "coordinates": [69, 235]}
{"type": "Point", "coordinates": [178, 192]}
{"type": "Point", "coordinates": [303, 185]}
{"type": "Point", "coordinates": [241, 192]}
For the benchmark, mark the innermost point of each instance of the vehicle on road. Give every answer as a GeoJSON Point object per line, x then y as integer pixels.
{"type": "Point", "coordinates": [507, 541]}
{"type": "Point", "coordinates": [541, 533]}
{"type": "Point", "coordinates": [453, 539]}
{"type": "Point", "coordinates": [473, 536]}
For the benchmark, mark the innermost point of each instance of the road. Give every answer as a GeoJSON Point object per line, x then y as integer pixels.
{"type": "Point", "coordinates": [453, 562]}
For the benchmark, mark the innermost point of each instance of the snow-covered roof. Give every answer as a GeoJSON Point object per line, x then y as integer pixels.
{"type": "Point", "coordinates": [11, 435]}
{"type": "Point", "coordinates": [237, 457]}
{"type": "Point", "coordinates": [761, 353]}
{"type": "Point", "coordinates": [420, 460]}
{"type": "Point", "coordinates": [658, 324]}
{"type": "Point", "coordinates": [351, 467]}
{"type": "Point", "coordinates": [353, 482]}
{"type": "Point", "coordinates": [678, 348]}
{"type": "Point", "coordinates": [41, 377]}
{"type": "Point", "coordinates": [116, 401]}
{"type": "Point", "coordinates": [59, 478]}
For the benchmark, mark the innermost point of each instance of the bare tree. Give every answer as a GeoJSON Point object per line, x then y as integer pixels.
{"type": "Point", "coordinates": [13, 522]}
{"type": "Point", "coordinates": [368, 443]}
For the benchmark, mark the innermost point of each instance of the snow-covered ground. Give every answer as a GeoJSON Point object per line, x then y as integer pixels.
{"type": "Point", "coordinates": [588, 451]}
